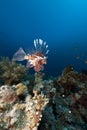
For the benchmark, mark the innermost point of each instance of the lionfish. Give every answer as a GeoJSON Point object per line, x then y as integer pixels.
{"type": "Point", "coordinates": [37, 58]}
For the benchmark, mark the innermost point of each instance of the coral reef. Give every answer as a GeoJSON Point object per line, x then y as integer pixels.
{"type": "Point", "coordinates": [11, 72]}
{"type": "Point", "coordinates": [71, 81]}
{"type": "Point", "coordinates": [35, 103]}
{"type": "Point", "coordinates": [16, 114]}
{"type": "Point", "coordinates": [67, 105]}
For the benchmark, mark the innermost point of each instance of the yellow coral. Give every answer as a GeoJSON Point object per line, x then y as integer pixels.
{"type": "Point", "coordinates": [20, 88]}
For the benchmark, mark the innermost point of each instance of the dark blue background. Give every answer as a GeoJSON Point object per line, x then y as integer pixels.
{"type": "Point", "coordinates": [61, 23]}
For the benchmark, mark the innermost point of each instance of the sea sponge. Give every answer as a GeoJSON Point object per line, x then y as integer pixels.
{"type": "Point", "coordinates": [11, 72]}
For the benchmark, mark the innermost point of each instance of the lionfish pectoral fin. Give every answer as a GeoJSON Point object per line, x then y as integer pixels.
{"type": "Point", "coordinates": [19, 55]}
{"type": "Point", "coordinates": [29, 65]}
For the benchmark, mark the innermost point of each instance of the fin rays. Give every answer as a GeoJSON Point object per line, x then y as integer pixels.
{"type": "Point", "coordinates": [19, 55]}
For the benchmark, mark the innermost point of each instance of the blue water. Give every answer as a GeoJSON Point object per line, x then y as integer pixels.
{"type": "Point", "coordinates": [61, 23]}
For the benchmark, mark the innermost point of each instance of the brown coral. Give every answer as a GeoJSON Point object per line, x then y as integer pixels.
{"type": "Point", "coordinates": [8, 96]}
{"type": "Point", "coordinates": [71, 81]}
{"type": "Point", "coordinates": [10, 72]}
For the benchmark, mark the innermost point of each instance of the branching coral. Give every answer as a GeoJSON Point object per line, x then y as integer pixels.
{"type": "Point", "coordinates": [40, 104]}
{"type": "Point", "coordinates": [71, 81]}
{"type": "Point", "coordinates": [21, 115]}
{"type": "Point", "coordinates": [10, 72]}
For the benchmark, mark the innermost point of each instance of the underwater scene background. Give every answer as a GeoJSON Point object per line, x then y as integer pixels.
{"type": "Point", "coordinates": [62, 24]}
{"type": "Point", "coordinates": [43, 65]}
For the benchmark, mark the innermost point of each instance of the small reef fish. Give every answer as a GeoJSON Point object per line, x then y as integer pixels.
{"type": "Point", "coordinates": [38, 57]}
{"type": "Point", "coordinates": [85, 61]}
{"type": "Point", "coordinates": [77, 57]}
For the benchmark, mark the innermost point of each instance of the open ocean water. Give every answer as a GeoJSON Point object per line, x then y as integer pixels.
{"type": "Point", "coordinates": [61, 23]}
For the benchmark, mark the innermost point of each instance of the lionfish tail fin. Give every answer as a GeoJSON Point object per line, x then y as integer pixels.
{"type": "Point", "coordinates": [19, 55]}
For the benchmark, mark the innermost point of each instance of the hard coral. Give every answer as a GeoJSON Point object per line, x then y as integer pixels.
{"type": "Point", "coordinates": [69, 80]}
{"type": "Point", "coordinates": [17, 114]}
{"type": "Point", "coordinates": [7, 95]}
{"type": "Point", "coordinates": [10, 72]}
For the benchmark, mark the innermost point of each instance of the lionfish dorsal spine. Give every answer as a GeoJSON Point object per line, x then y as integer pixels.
{"type": "Point", "coordinates": [41, 46]}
